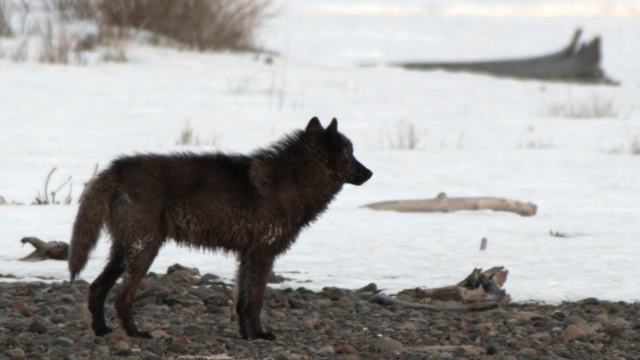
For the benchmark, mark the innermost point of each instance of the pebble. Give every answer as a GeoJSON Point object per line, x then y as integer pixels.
{"type": "Point", "coordinates": [527, 353]}
{"type": "Point", "coordinates": [327, 350]}
{"type": "Point", "coordinates": [485, 328]}
{"type": "Point", "coordinates": [16, 353]}
{"type": "Point", "coordinates": [37, 326]}
{"type": "Point", "coordinates": [18, 305]}
{"type": "Point", "coordinates": [79, 312]}
{"type": "Point", "coordinates": [573, 332]}
{"type": "Point", "coordinates": [524, 315]}
{"type": "Point", "coordinates": [148, 355]}
{"type": "Point", "coordinates": [614, 331]}
{"type": "Point", "coordinates": [120, 345]}
{"type": "Point", "coordinates": [386, 346]}
{"type": "Point", "coordinates": [346, 349]}
{"type": "Point", "coordinates": [62, 341]}
{"type": "Point", "coordinates": [410, 327]}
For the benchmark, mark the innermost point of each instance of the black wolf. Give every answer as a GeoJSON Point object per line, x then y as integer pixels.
{"type": "Point", "coordinates": [254, 206]}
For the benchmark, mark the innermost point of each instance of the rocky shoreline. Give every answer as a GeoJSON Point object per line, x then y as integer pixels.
{"type": "Point", "coordinates": [192, 317]}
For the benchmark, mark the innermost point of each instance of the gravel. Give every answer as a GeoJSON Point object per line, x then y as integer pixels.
{"type": "Point", "coordinates": [192, 317]}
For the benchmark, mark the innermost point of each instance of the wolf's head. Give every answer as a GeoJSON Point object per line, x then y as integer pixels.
{"type": "Point", "coordinates": [337, 153]}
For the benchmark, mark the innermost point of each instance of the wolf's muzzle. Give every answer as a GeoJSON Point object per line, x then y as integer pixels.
{"type": "Point", "coordinates": [359, 173]}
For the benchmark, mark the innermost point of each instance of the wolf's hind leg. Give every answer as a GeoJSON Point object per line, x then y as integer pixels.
{"type": "Point", "coordinates": [253, 273]}
{"type": "Point", "coordinates": [140, 255]}
{"type": "Point", "coordinates": [100, 288]}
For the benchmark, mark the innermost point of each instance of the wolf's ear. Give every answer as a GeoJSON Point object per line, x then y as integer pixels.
{"type": "Point", "coordinates": [333, 127]}
{"type": "Point", "coordinates": [314, 125]}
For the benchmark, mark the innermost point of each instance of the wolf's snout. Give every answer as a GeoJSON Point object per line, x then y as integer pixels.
{"type": "Point", "coordinates": [360, 174]}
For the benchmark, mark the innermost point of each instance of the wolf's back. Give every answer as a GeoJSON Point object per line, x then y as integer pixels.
{"type": "Point", "coordinates": [92, 213]}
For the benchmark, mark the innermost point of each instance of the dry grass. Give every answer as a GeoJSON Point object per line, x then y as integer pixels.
{"type": "Point", "coordinates": [73, 9]}
{"type": "Point", "coordinates": [24, 9]}
{"type": "Point", "coordinates": [49, 197]}
{"type": "Point", "coordinates": [406, 138]}
{"type": "Point", "coordinates": [197, 24]}
{"type": "Point", "coordinates": [115, 53]}
{"type": "Point", "coordinates": [55, 46]}
{"type": "Point", "coordinates": [21, 52]}
{"type": "Point", "coordinates": [194, 24]}
{"type": "Point", "coordinates": [5, 14]}
{"type": "Point", "coordinates": [631, 147]}
{"type": "Point", "coordinates": [537, 144]}
{"type": "Point", "coordinates": [634, 148]}
{"type": "Point", "coordinates": [594, 107]}
{"type": "Point", "coordinates": [189, 136]}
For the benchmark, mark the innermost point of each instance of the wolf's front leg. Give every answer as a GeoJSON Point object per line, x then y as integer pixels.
{"type": "Point", "coordinates": [253, 273]}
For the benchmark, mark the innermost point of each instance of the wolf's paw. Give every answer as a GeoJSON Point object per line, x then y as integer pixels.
{"type": "Point", "coordinates": [103, 331]}
{"type": "Point", "coordinates": [134, 332]}
{"type": "Point", "coordinates": [265, 335]}
{"type": "Point", "coordinates": [140, 334]}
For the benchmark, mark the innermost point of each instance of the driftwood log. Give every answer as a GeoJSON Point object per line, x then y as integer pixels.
{"type": "Point", "coordinates": [574, 63]}
{"type": "Point", "coordinates": [54, 250]}
{"type": "Point", "coordinates": [443, 203]}
{"type": "Point", "coordinates": [481, 290]}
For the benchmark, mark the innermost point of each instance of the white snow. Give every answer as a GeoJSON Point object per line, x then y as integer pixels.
{"type": "Point", "coordinates": [479, 136]}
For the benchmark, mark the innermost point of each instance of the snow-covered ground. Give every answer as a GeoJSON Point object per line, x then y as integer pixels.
{"type": "Point", "coordinates": [478, 136]}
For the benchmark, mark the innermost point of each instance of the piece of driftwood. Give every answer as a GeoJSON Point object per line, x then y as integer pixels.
{"type": "Point", "coordinates": [443, 203]}
{"type": "Point", "coordinates": [54, 250]}
{"type": "Point", "coordinates": [478, 286]}
{"type": "Point", "coordinates": [481, 290]}
{"type": "Point", "coordinates": [574, 63]}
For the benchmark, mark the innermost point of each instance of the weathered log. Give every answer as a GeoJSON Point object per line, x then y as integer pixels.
{"type": "Point", "coordinates": [478, 286]}
{"type": "Point", "coordinates": [54, 250]}
{"type": "Point", "coordinates": [443, 203]}
{"type": "Point", "coordinates": [481, 290]}
{"type": "Point", "coordinates": [573, 63]}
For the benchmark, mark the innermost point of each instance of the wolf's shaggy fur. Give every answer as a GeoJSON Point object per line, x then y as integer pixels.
{"type": "Point", "coordinates": [254, 206]}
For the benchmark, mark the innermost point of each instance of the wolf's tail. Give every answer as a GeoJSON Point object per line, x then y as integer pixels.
{"type": "Point", "coordinates": [94, 208]}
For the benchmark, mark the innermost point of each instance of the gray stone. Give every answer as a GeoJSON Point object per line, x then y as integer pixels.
{"type": "Point", "coordinates": [385, 345]}
{"type": "Point", "coordinates": [37, 326]}
{"type": "Point", "coordinates": [148, 355]}
{"type": "Point", "coordinates": [79, 312]}
{"type": "Point", "coordinates": [120, 345]}
{"type": "Point", "coordinates": [62, 342]}
{"type": "Point", "coordinates": [527, 353]}
{"type": "Point", "coordinates": [327, 350]}
{"type": "Point", "coordinates": [16, 353]}
{"type": "Point", "coordinates": [573, 332]}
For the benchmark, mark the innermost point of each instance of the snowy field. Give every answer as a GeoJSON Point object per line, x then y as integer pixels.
{"type": "Point", "coordinates": [478, 136]}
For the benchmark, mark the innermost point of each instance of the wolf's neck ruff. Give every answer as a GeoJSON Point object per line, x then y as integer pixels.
{"type": "Point", "coordinates": [295, 177]}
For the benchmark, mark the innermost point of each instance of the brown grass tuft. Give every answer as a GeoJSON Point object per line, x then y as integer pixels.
{"type": "Point", "coordinates": [75, 9]}
{"type": "Point", "coordinates": [197, 24]}
{"type": "Point", "coordinates": [5, 16]}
